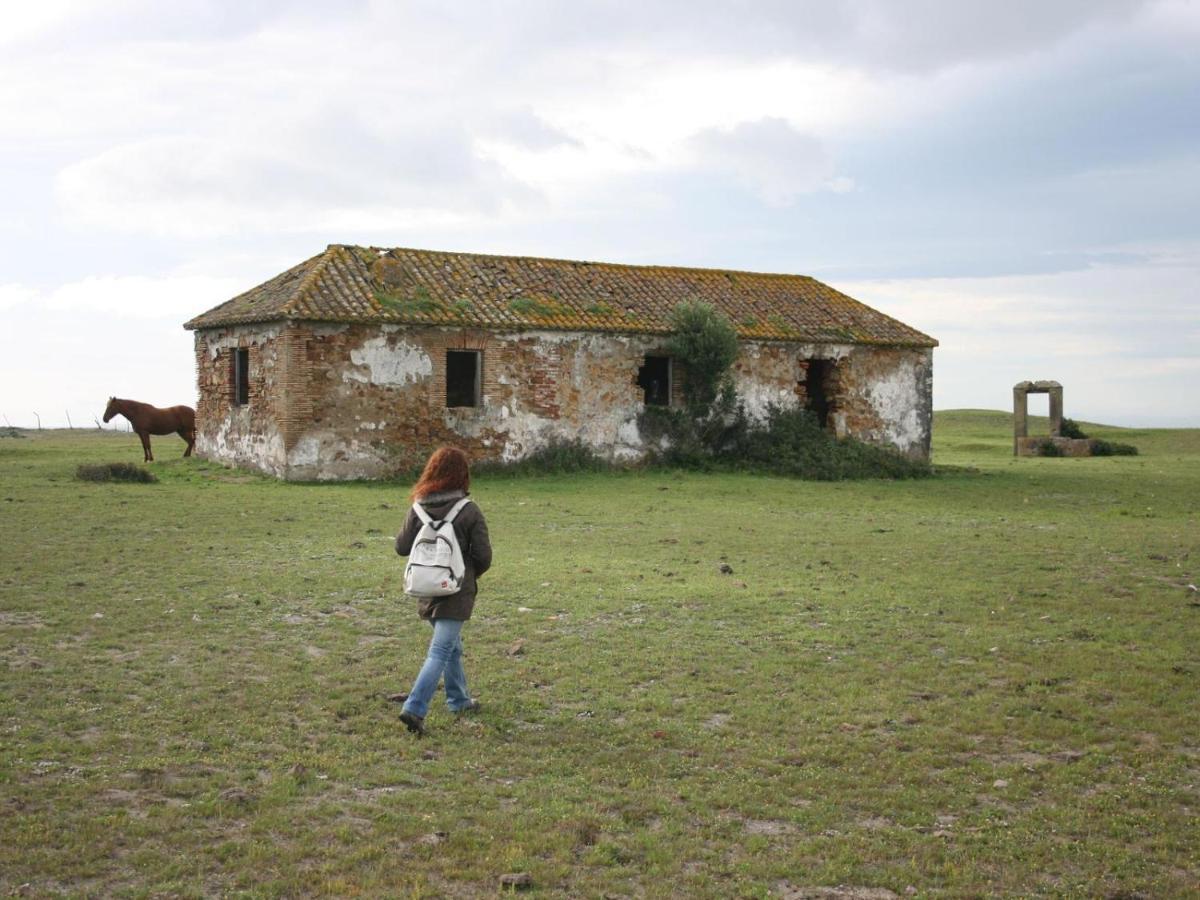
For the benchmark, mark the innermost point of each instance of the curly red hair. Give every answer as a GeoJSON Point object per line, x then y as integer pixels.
{"type": "Point", "coordinates": [447, 470]}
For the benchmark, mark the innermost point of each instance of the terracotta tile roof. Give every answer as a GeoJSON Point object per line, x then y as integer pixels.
{"type": "Point", "coordinates": [369, 284]}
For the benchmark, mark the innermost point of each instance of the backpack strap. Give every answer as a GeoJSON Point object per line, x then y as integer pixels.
{"type": "Point", "coordinates": [456, 509]}
{"type": "Point", "coordinates": [426, 519]}
{"type": "Point", "coordinates": [421, 514]}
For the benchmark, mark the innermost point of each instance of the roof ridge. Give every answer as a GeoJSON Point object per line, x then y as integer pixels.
{"type": "Point", "coordinates": [580, 262]}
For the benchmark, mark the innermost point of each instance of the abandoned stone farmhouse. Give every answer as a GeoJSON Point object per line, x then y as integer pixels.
{"type": "Point", "coordinates": [360, 361]}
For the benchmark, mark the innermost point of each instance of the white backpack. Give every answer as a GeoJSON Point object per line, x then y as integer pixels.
{"type": "Point", "coordinates": [435, 566]}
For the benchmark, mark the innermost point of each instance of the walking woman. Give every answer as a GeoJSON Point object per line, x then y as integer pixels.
{"type": "Point", "coordinates": [445, 481]}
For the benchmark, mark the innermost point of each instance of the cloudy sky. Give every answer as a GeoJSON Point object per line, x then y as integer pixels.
{"type": "Point", "coordinates": [1021, 179]}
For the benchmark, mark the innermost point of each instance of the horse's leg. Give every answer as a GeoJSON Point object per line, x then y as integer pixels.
{"type": "Point", "coordinates": [147, 456]}
{"type": "Point", "coordinates": [188, 435]}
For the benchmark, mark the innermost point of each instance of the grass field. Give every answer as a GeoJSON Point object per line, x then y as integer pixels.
{"type": "Point", "coordinates": [984, 683]}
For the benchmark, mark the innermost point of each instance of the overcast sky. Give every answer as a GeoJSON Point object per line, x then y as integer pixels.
{"type": "Point", "coordinates": [1021, 180]}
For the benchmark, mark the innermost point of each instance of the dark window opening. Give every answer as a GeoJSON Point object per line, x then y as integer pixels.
{"type": "Point", "coordinates": [654, 378]}
{"type": "Point", "coordinates": [241, 377]}
{"type": "Point", "coordinates": [462, 377]}
{"type": "Point", "coordinates": [817, 385]}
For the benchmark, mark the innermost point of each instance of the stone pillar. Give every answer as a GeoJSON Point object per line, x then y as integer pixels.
{"type": "Point", "coordinates": [1020, 414]}
{"type": "Point", "coordinates": [1056, 410]}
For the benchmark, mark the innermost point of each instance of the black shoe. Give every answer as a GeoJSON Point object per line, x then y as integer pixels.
{"type": "Point", "coordinates": [415, 723]}
{"type": "Point", "coordinates": [473, 705]}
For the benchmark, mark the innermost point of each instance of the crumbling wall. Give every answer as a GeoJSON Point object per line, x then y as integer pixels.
{"type": "Point", "coordinates": [378, 396]}
{"type": "Point", "coordinates": [883, 395]}
{"type": "Point", "coordinates": [364, 401]}
{"type": "Point", "coordinates": [248, 434]}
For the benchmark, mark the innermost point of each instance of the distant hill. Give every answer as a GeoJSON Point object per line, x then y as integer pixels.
{"type": "Point", "coordinates": [988, 432]}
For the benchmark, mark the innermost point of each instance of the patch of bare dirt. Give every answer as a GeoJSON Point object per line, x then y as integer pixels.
{"type": "Point", "coordinates": [789, 891]}
{"type": "Point", "coordinates": [768, 826]}
{"type": "Point", "coordinates": [21, 620]}
{"type": "Point", "coordinates": [876, 823]}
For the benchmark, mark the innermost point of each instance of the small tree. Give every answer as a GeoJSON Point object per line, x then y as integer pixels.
{"type": "Point", "coordinates": [705, 341]}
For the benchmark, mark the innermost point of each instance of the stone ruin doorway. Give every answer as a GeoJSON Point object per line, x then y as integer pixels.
{"type": "Point", "coordinates": [1023, 444]}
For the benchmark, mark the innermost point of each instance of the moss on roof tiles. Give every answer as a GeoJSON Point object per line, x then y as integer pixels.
{"type": "Point", "coordinates": [405, 286]}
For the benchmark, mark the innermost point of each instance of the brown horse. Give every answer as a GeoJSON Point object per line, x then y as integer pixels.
{"type": "Point", "coordinates": [147, 420]}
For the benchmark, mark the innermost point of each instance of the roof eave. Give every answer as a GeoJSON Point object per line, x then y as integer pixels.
{"type": "Point", "coordinates": [197, 324]}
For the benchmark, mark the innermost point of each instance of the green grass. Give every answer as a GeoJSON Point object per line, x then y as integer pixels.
{"type": "Point", "coordinates": [982, 683]}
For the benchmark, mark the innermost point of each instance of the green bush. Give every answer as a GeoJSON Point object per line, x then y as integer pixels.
{"type": "Point", "coordinates": [1048, 448]}
{"type": "Point", "coordinates": [790, 442]}
{"type": "Point", "coordinates": [1108, 448]}
{"type": "Point", "coordinates": [115, 472]}
{"type": "Point", "coordinates": [705, 341]}
{"type": "Point", "coordinates": [1070, 429]}
{"type": "Point", "coordinates": [693, 438]}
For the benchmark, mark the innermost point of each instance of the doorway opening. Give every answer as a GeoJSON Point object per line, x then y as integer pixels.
{"type": "Point", "coordinates": [817, 388]}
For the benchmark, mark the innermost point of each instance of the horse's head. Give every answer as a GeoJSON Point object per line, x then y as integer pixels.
{"type": "Point", "coordinates": [111, 409]}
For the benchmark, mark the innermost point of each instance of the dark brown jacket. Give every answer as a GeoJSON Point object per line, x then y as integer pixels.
{"type": "Point", "coordinates": [471, 531]}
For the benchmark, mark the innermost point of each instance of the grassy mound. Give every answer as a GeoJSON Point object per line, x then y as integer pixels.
{"type": "Point", "coordinates": [120, 471]}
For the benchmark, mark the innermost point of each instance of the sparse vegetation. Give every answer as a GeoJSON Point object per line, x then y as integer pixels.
{"type": "Point", "coordinates": [418, 302]}
{"type": "Point", "coordinates": [980, 684]}
{"type": "Point", "coordinates": [556, 458]}
{"type": "Point", "coordinates": [533, 306]}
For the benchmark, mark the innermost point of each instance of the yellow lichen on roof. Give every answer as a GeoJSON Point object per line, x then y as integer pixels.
{"type": "Point", "coordinates": [424, 287]}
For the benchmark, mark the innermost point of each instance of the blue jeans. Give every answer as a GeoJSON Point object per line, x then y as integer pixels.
{"type": "Point", "coordinates": [444, 660]}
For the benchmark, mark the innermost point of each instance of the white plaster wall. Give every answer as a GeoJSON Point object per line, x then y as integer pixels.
{"type": "Point", "coordinates": [901, 397]}
{"type": "Point", "coordinates": [239, 335]}
{"type": "Point", "coordinates": [894, 398]}
{"type": "Point", "coordinates": [389, 361]}
{"type": "Point", "coordinates": [322, 455]}
{"type": "Point", "coordinates": [237, 443]}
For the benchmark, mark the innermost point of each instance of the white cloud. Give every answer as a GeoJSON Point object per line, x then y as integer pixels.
{"type": "Point", "coordinates": [174, 298]}
{"type": "Point", "coordinates": [771, 158]}
{"type": "Point", "coordinates": [99, 336]}
{"type": "Point", "coordinates": [63, 364]}
{"type": "Point", "coordinates": [205, 187]}
{"type": "Point", "coordinates": [1122, 339]}
{"type": "Point", "coordinates": [15, 295]}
